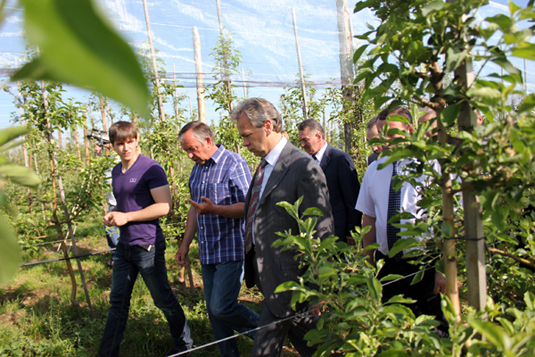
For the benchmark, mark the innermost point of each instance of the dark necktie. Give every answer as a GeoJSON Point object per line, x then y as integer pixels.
{"type": "Point", "coordinates": [394, 207]}
{"type": "Point", "coordinates": [255, 197]}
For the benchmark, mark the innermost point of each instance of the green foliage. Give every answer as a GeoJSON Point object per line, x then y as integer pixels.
{"type": "Point", "coordinates": [356, 323]}
{"type": "Point", "coordinates": [79, 47]}
{"type": "Point", "coordinates": [9, 254]}
{"type": "Point", "coordinates": [417, 46]}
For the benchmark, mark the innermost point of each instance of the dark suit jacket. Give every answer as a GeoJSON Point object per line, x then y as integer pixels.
{"type": "Point", "coordinates": [295, 174]}
{"type": "Point", "coordinates": [343, 183]}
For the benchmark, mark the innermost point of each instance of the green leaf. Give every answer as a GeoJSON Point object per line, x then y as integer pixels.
{"type": "Point", "coordinates": [432, 6]}
{"type": "Point", "coordinates": [528, 103]}
{"type": "Point", "coordinates": [399, 299]}
{"type": "Point", "coordinates": [289, 285]}
{"type": "Point", "coordinates": [418, 277]}
{"type": "Point", "coordinates": [394, 353]}
{"type": "Point", "coordinates": [374, 288]}
{"type": "Point", "coordinates": [450, 114]}
{"type": "Point", "coordinates": [390, 277]}
{"type": "Point", "coordinates": [9, 134]}
{"type": "Point", "coordinates": [9, 254]}
{"type": "Point", "coordinates": [358, 53]}
{"type": "Point", "coordinates": [20, 175]}
{"type": "Point", "coordinates": [454, 59]}
{"type": "Point", "coordinates": [508, 66]}
{"type": "Point", "coordinates": [529, 299]}
{"type": "Point", "coordinates": [503, 21]}
{"type": "Point", "coordinates": [525, 50]}
{"type": "Point", "coordinates": [79, 47]}
{"type": "Point", "coordinates": [494, 333]}
{"type": "Point", "coordinates": [10, 145]}
{"type": "Point", "coordinates": [313, 211]}
{"type": "Point", "coordinates": [484, 93]}
{"type": "Point", "coordinates": [402, 244]}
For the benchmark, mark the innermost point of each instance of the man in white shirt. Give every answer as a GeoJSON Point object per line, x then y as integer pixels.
{"type": "Point", "coordinates": [376, 201]}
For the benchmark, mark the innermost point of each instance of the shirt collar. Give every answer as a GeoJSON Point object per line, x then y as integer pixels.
{"type": "Point", "coordinates": [321, 152]}
{"type": "Point", "coordinates": [273, 156]}
{"type": "Point", "coordinates": [219, 152]}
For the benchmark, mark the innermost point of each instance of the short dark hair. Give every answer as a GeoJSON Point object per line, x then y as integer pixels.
{"type": "Point", "coordinates": [121, 131]}
{"type": "Point", "coordinates": [199, 129]}
{"type": "Point", "coordinates": [404, 112]}
{"type": "Point", "coordinates": [258, 110]}
{"type": "Point", "coordinates": [371, 123]}
{"type": "Point", "coordinates": [311, 124]}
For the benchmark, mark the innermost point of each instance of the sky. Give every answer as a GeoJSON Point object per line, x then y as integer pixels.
{"type": "Point", "coordinates": [262, 32]}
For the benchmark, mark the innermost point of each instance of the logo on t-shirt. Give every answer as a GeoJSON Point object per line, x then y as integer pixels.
{"type": "Point", "coordinates": [133, 179]}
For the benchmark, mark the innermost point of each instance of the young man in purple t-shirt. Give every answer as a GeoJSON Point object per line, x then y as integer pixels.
{"type": "Point", "coordinates": [142, 192]}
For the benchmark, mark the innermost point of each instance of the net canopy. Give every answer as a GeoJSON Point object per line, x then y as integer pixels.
{"type": "Point", "coordinates": [262, 32]}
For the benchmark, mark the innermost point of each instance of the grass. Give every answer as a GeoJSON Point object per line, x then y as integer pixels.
{"type": "Point", "coordinates": [37, 317]}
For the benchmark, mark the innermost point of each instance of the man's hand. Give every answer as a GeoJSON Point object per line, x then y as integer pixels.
{"type": "Point", "coordinates": [203, 208]}
{"type": "Point", "coordinates": [181, 255]}
{"type": "Point", "coordinates": [115, 218]}
{"type": "Point", "coordinates": [440, 283]}
{"type": "Point", "coordinates": [350, 241]}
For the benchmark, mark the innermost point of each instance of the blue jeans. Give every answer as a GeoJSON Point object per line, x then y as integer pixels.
{"type": "Point", "coordinates": [222, 283]}
{"type": "Point", "coordinates": [129, 261]}
{"type": "Point", "coordinates": [112, 235]}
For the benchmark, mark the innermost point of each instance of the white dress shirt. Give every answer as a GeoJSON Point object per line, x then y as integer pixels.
{"type": "Point", "coordinates": [373, 197]}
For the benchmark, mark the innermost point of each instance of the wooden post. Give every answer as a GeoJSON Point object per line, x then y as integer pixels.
{"type": "Point", "coordinates": [60, 139]}
{"type": "Point", "coordinates": [345, 38]}
{"type": "Point", "coordinates": [219, 17]}
{"type": "Point", "coordinates": [448, 247]}
{"type": "Point", "coordinates": [86, 141]}
{"type": "Point", "coordinates": [154, 65]}
{"type": "Point", "coordinates": [175, 93]}
{"type": "Point", "coordinates": [198, 69]}
{"type": "Point", "coordinates": [302, 76]}
{"type": "Point", "coordinates": [21, 113]}
{"type": "Point", "coordinates": [74, 133]}
{"type": "Point", "coordinates": [473, 224]}
{"type": "Point", "coordinates": [243, 79]}
{"type": "Point", "coordinates": [190, 109]}
{"type": "Point", "coordinates": [103, 112]}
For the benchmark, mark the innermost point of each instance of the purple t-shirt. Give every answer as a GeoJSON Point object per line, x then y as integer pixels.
{"type": "Point", "coordinates": [132, 192]}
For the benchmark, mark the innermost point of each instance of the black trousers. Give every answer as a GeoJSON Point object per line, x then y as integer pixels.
{"type": "Point", "coordinates": [426, 302]}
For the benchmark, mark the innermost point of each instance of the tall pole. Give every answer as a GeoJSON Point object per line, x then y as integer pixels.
{"type": "Point", "coordinates": [243, 80]}
{"type": "Point", "coordinates": [175, 93]}
{"type": "Point", "coordinates": [21, 112]}
{"type": "Point", "coordinates": [525, 79]}
{"type": "Point", "coordinates": [219, 17]}
{"type": "Point", "coordinates": [303, 87]}
{"type": "Point", "coordinates": [476, 275]}
{"type": "Point", "coordinates": [345, 39]}
{"type": "Point", "coordinates": [103, 113]}
{"type": "Point", "coordinates": [200, 80]}
{"type": "Point", "coordinates": [154, 65]}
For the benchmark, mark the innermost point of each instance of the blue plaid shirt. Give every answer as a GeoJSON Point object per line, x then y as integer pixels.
{"type": "Point", "coordinates": [224, 179]}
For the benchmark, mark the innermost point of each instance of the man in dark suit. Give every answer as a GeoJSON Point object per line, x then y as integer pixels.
{"type": "Point", "coordinates": [342, 178]}
{"type": "Point", "coordinates": [284, 174]}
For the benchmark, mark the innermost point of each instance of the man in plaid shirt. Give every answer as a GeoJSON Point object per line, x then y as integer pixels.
{"type": "Point", "coordinates": [218, 185]}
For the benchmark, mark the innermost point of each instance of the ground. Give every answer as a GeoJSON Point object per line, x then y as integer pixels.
{"type": "Point", "coordinates": [38, 316]}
